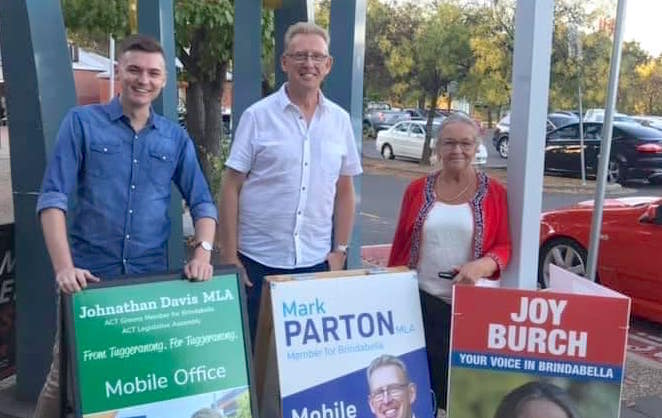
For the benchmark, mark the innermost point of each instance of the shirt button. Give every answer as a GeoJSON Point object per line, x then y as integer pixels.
{"type": "Point", "coordinates": [124, 260]}
{"type": "Point", "coordinates": [133, 186]}
{"type": "Point", "coordinates": [130, 211]}
{"type": "Point", "coordinates": [128, 236]}
{"type": "Point", "coordinates": [299, 213]}
{"type": "Point", "coordinates": [135, 137]}
{"type": "Point", "coordinates": [105, 149]}
{"type": "Point", "coordinates": [163, 158]}
{"type": "Point", "coordinates": [303, 188]}
{"type": "Point", "coordinates": [305, 164]}
{"type": "Point", "coordinates": [135, 161]}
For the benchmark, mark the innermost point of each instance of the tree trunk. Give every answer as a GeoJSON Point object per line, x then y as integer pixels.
{"type": "Point", "coordinates": [489, 117]}
{"type": "Point", "coordinates": [450, 100]}
{"type": "Point", "coordinates": [421, 101]}
{"type": "Point", "coordinates": [427, 150]}
{"type": "Point", "coordinates": [195, 117]}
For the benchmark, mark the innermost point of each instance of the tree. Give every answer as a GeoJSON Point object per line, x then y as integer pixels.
{"type": "Point", "coordinates": [443, 55]}
{"type": "Point", "coordinates": [492, 43]}
{"type": "Point", "coordinates": [649, 81]}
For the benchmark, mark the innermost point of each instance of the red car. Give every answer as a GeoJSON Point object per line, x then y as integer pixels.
{"type": "Point", "coordinates": [630, 256]}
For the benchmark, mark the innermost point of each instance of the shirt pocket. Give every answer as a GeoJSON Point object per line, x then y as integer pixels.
{"type": "Point", "coordinates": [103, 158]}
{"type": "Point", "coordinates": [161, 164]}
{"type": "Point", "coordinates": [331, 159]}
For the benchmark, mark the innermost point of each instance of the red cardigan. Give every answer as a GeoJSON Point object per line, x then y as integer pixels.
{"type": "Point", "coordinates": [489, 207]}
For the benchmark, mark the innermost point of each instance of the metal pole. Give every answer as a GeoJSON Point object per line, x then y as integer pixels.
{"type": "Point", "coordinates": [605, 147]}
{"type": "Point", "coordinates": [581, 129]}
{"type": "Point", "coordinates": [111, 54]}
{"type": "Point", "coordinates": [534, 22]}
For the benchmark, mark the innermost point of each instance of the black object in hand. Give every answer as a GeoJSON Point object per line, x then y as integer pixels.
{"type": "Point", "coordinates": [446, 275]}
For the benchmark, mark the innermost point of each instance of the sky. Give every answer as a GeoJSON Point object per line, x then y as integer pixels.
{"type": "Point", "coordinates": [642, 23]}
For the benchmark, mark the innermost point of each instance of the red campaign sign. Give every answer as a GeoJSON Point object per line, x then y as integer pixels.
{"type": "Point", "coordinates": [540, 325]}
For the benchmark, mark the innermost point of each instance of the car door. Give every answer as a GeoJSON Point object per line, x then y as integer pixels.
{"type": "Point", "coordinates": [630, 248]}
{"type": "Point", "coordinates": [562, 149]}
{"type": "Point", "coordinates": [416, 141]}
{"type": "Point", "coordinates": [592, 143]}
{"type": "Point", "coordinates": [400, 138]}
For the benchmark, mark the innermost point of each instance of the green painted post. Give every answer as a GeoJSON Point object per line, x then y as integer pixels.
{"type": "Point", "coordinates": [345, 84]}
{"type": "Point", "coordinates": [247, 68]}
{"type": "Point", "coordinates": [40, 90]}
{"type": "Point", "coordinates": [157, 19]}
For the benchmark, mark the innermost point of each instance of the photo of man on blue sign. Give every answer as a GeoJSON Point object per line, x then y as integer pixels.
{"type": "Point", "coordinates": [392, 394]}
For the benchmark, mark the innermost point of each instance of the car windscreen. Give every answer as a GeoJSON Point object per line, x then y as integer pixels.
{"type": "Point", "coordinates": [640, 132]}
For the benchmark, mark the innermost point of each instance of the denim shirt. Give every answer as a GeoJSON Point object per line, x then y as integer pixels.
{"type": "Point", "coordinates": [120, 184]}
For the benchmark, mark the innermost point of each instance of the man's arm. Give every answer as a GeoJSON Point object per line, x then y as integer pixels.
{"type": "Point", "coordinates": [233, 180]}
{"type": "Point", "coordinates": [199, 267]}
{"type": "Point", "coordinates": [343, 220]}
{"type": "Point", "coordinates": [69, 278]}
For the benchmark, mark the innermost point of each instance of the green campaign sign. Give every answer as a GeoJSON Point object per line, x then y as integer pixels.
{"type": "Point", "coordinates": [159, 348]}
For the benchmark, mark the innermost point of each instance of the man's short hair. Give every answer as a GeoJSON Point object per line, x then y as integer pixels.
{"type": "Point", "coordinates": [207, 413]}
{"type": "Point", "coordinates": [387, 360]}
{"type": "Point", "coordinates": [305, 28]}
{"type": "Point", "coordinates": [140, 42]}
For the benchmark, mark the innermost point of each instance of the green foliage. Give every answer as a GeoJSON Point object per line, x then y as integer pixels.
{"type": "Point", "coordinates": [243, 406]}
{"type": "Point", "coordinates": [90, 22]}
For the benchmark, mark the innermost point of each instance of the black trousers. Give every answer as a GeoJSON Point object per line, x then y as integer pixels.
{"type": "Point", "coordinates": [437, 326]}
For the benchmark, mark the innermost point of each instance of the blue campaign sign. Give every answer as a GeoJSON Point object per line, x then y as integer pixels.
{"type": "Point", "coordinates": [351, 347]}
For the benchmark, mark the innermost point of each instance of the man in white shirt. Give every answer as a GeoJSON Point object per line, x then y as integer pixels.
{"type": "Point", "coordinates": [288, 180]}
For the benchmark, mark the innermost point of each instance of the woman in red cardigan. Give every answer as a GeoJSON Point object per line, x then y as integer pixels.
{"type": "Point", "coordinates": [453, 228]}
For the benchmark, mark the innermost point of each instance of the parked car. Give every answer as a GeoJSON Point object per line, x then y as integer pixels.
{"type": "Point", "coordinates": [378, 120]}
{"type": "Point", "coordinates": [649, 121]}
{"type": "Point", "coordinates": [629, 248]}
{"type": "Point", "coordinates": [598, 115]}
{"type": "Point", "coordinates": [636, 151]}
{"type": "Point", "coordinates": [406, 138]}
{"type": "Point", "coordinates": [415, 114]}
{"type": "Point", "coordinates": [501, 137]}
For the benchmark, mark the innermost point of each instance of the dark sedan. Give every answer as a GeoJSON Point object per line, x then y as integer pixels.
{"type": "Point", "coordinates": [636, 151]}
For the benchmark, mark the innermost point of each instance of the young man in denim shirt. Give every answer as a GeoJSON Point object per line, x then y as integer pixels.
{"type": "Point", "coordinates": [118, 160]}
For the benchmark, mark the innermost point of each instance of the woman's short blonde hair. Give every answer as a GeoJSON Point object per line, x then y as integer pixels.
{"type": "Point", "coordinates": [305, 28]}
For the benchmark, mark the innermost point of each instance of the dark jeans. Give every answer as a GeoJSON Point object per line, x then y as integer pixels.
{"type": "Point", "coordinates": [256, 273]}
{"type": "Point", "coordinates": [437, 326]}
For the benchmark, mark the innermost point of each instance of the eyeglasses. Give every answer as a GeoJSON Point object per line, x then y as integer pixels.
{"type": "Point", "coordinates": [395, 391]}
{"type": "Point", "coordinates": [450, 144]}
{"type": "Point", "coordinates": [301, 57]}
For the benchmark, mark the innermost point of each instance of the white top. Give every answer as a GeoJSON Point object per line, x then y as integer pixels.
{"type": "Point", "coordinates": [447, 236]}
{"type": "Point", "coordinates": [286, 202]}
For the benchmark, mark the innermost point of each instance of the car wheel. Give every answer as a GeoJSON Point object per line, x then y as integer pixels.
{"type": "Point", "coordinates": [387, 152]}
{"type": "Point", "coordinates": [615, 172]}
{"type": "Point", "coordinates": [563, 252]}
{"type": "Point", "coordinates": [503, 147]}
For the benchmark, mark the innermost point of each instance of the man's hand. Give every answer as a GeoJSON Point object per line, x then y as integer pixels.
{"type": "Point", "coordinates": [198, 270]}
{"type": "Point", "coordinates": [72, 279]}
{"type": "Point", "coordinates": [235, 261]}
{"type": "Point", "coordinates": [336, 260]}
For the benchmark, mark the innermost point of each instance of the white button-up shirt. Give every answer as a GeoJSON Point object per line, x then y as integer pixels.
{"type": "Point", "coordinates": [286, 202]}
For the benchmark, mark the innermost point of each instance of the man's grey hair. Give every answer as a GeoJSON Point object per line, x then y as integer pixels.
{"type": "Point", "coordinates": [207, 413]}
{"type": "Point", "coordinates": [305, 28]}
{"type": "Point", "coordinates": [386, 360]}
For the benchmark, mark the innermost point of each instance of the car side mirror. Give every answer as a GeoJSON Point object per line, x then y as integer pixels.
{"type": "Point", "coordinates": [652, 215]}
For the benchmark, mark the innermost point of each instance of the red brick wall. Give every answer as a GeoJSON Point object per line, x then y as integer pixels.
{"type": "Point", "coordinates": [87, 86]}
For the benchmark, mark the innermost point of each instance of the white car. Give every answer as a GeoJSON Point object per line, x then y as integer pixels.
{"type": "Point", "coordinates": [598, 115]}
{"type": "Point", "coordinates": [406, 138]}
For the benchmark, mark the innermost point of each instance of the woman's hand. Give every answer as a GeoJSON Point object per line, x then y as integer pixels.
{"type": "Point", "coordinates": [470, 272]}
